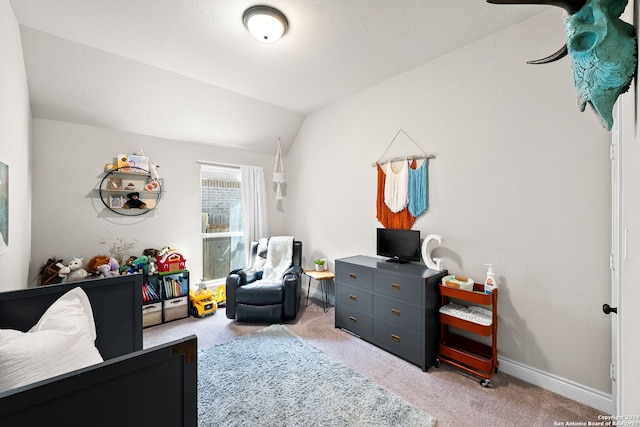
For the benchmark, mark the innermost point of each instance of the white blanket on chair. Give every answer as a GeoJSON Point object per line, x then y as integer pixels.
{"type": "Point", "coordinates": [279, 255]}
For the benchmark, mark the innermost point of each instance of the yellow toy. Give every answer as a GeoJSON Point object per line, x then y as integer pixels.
{"type": "Point", "coordinates": [202, 301]}
{"type": "Point", "coordinates": [220, 295]}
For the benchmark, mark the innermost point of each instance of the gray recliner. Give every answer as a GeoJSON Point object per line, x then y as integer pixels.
{"type": "Point", "coordinates": [249, 299]}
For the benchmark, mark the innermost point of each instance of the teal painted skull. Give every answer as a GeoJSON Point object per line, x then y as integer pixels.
{"type": "Point", "coordinates": [603, 55]}
{"type": "Point", "coordinates": [602, 48]}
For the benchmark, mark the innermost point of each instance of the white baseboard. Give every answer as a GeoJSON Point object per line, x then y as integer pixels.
{"type": "Point", "coordinates": [578, 392]}
{"type": "Point", "coordinates": [562, 386]}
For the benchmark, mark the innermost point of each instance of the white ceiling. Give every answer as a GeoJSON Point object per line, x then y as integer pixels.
{"type": "Point", "coordinates": [188, 70]}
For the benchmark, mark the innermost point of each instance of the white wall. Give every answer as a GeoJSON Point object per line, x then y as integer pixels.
{"type": "Point", "coordinates": [521, 180]}
{"type": "Point", "coordinates": [69, 218]}
{"type": "Point", "coordinates": [15, 117]}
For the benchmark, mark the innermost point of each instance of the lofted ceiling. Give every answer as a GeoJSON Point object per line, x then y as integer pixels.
{"type": "Point", "coordinates": [188, 70]}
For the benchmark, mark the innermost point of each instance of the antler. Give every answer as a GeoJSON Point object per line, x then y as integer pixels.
{"type": "Point", "coordinates": [561, 53]}
{"type": "Point", "coordinates": [571, 6]}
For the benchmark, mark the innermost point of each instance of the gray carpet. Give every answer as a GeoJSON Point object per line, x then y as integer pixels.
{"type": "Point", "coordinates": [274, 378]}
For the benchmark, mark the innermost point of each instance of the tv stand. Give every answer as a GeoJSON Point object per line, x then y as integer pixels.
{"type": "Point", "coordinates": [391, 305]}
{"type": "Point", "coordinates": [398, 260]}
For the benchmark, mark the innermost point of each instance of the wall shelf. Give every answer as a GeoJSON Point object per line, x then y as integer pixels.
{"type": "Point", "coordinates": [118, 183]}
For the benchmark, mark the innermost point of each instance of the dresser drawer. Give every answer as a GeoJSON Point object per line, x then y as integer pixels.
{"type": "Point", "coordinates": [398, 313]}
{"type": "Point", "coordinates": [357, 322]}
{"type": "Point", "coordinates": [353, 275]}
{"type": "Point", "coordinates": [407, 289]}
{"type": "Point", "coordinates": [348, 298]}
{"type": "Point", "coordinates": [398, 340]}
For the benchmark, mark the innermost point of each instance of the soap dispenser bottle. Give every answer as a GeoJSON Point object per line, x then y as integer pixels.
{"type": "Point", "coordinates": [490, 282]}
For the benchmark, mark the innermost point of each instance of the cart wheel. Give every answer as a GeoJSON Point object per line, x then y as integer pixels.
{"type": "Point", "coordinates": [437, 364]}
{"type": "Point", "coordinates": [484, 383]}
{"type": "Point", "coordinates": [194, 311]}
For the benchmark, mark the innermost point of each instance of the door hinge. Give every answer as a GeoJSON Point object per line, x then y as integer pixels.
{"type": "Point", "coordinates": [612, 152]}
{"type": "Point", "coordinates": [613, 372]}
{"type": "Point", "coordinates": [612, 265]}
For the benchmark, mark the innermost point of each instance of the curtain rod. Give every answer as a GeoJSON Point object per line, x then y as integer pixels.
{"type": "Point", "coordinates": [209, 163]}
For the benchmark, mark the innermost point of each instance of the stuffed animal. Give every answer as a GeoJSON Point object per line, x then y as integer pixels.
{"type": "Point", "coordinates": [151, 254]}
{"type": "Point", "coordinates": [104, 270]}
{"type": "Point", "coordinates": [134, 201]}
{"type": "Point", "coordinates": [127, 267]}
{"type": "Point", "coordinates": [74, 271]}
{"type": "Point", "coordinates": [153, 266]}
{"type": "Point", "coordinates": [153, 171]}
{"type": "Point", "coordinates": [114, 265]}
{"type": "Point", "coordinates": [95, 262]}
{"type": "Point", "coordinates": [141, 264]}
{"type": "Point", "coordinates": [49, 272]}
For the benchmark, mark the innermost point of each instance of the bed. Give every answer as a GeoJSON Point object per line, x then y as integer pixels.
{"type": "Point", "coordinates": [132, 386]}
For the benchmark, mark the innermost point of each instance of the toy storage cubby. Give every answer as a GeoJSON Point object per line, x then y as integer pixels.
{"type": "Point", "coordinates": [165, 298]}
{"type": "Point", "coordinates": [151, 301]}
{"type": "Point", "coordinates": [119, 182]}
{"type": "Point", "coordinates": [468, 354]}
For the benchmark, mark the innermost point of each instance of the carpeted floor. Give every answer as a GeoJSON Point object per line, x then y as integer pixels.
{"type": "Point", "coordinates": [450, 396]}
{"type": "Point", "coordinates": [272, 377]}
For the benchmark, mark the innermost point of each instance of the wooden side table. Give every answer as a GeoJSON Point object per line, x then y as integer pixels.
{"type": "Point", "coordinates": [321, 277]}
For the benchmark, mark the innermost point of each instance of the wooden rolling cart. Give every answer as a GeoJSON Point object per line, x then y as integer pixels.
{"type": "Point", "coordinates": [467, 354]}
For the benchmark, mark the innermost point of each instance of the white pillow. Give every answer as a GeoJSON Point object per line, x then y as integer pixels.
{"type": "Point", "coordinates": [62, 341]}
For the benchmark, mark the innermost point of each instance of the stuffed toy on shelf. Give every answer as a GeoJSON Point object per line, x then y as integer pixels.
{"type": "Point", "coordinates": [74, 271]}
{"type": "Point", "coordinates": [134, 201]}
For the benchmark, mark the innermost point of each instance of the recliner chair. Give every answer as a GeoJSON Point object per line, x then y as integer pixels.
{"type": "Point", "coordinates": [249, 299]}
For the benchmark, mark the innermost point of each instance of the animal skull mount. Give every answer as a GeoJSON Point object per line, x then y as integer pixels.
{"type": "Point", "coordinates": [602, 48]}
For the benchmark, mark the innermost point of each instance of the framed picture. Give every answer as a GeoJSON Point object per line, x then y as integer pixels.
{"type": "Point", "coordinates": [116, 202]}
{"type": "Point", "coordinates": [115, 184]}
{"type": "Point", "coordinates": [133, 163]}
{"type": "Point", "coordinates": [4, 208]}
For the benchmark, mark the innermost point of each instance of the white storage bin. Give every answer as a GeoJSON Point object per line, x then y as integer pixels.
{"type": "Point", "coordinates": [176, 308]}
{"type": "Point", "coordinates": [151, 314]}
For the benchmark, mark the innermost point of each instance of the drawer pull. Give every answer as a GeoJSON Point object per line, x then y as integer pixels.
{"type": "Point", "coordinates": [353, 319]}
{"type": "Point", "coordinates": [395, 311]}
{"type": "Point", "coordinates": [395, 286]}
{"type": "Point", "coordinates": [352, 297]}
{"type": "Point", "coordinates": [395, 338]}
{"type": "Point", "coordinates": [353, 275]}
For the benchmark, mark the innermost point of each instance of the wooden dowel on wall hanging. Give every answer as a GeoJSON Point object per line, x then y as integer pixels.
{"type": "Point", "coordinates": [397, 159]}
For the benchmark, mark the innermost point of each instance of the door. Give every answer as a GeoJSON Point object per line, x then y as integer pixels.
{"type": "Point", "coordinates": [611, 307]}
{"type": "Point", "coordinates": [626, 322]}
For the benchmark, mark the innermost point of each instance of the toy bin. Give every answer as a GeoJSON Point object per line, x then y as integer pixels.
{"type": "Point", "coordinates": [176, 308]}
{"type": "Point", "coordinates": [151, 314]}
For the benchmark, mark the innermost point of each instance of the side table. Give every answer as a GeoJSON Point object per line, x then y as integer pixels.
{"type": "Point", "coordinates": [321, 277]}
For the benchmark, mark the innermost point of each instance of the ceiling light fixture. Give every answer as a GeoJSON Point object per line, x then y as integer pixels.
{"type": "Point", "coordinates": [265, 23]}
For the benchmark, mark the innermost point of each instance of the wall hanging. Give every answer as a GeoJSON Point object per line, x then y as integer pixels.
{"type": "Point", "coordinates": [402, 196]}
{"type": "Point", "coordinates": [602, 48]}
{"type": "Point", "coordinates": [278, 172]}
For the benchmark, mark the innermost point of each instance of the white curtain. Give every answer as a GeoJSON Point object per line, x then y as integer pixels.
{"type": "Point", "coordinates": [254, 207]}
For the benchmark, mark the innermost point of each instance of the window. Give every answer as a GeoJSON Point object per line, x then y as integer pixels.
{"type": "Point", "coordinates": [222, 224]}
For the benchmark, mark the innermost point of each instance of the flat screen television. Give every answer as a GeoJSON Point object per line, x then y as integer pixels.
{"type": "Point", "coordinates": [398, 245]}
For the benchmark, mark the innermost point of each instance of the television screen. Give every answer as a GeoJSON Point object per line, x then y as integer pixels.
{"type": "Point", "coordinates": [398, 245]}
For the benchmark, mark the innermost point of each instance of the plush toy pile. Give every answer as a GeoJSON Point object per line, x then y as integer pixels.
{"type": "Point", "coordinates": [101, 266]}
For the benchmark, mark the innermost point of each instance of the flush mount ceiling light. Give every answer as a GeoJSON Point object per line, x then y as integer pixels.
{"type": "Point", "coordinates": [265, 23]}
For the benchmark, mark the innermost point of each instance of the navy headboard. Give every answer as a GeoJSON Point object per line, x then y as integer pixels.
{"type": "Point", "coordinates": [116, 303]}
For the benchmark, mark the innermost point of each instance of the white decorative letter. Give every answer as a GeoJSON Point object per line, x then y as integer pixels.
{"type": "Point", "coordinates": [435, 263]}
